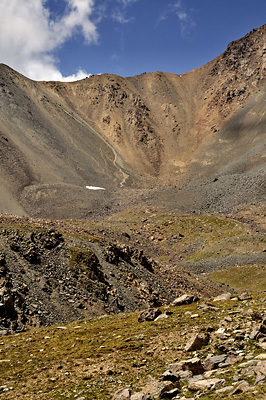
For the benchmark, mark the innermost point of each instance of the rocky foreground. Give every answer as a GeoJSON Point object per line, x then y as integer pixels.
{"type": "Point", "coordinates": [208, 349]}
{"type": "Point", "coordinates": [221, 363]}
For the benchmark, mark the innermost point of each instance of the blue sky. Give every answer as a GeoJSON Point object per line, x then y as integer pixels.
{"type": "Point", "coordinates": [69, 39]}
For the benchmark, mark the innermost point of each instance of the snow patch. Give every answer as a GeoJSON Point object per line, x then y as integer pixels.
{"type": "Point", "coordinates": [94, 188]}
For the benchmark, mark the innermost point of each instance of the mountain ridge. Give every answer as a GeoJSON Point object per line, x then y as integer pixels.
{"type": "Point", "coordinates": [149, 131]}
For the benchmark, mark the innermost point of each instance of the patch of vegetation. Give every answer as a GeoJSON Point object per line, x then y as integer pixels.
{"type": "Point", "coordinates": [94, 358]}
{"type": "Point", "coordinates": [246, 277]}
{"type": "Point", "coordinates": [85, 267]}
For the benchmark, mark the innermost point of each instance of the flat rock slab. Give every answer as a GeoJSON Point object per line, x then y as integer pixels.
{"type": "Point", "coordinates": [184, 299]}
{"type": "Point", "coordinates": [206, 384]}
{"type": "Point", "coordinates": [223, 297]}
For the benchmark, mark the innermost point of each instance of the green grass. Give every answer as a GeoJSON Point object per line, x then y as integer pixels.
{"type": "Point", "coordinates": [94, 358]}
{"type": "Point", "coordinates": [246, 277]}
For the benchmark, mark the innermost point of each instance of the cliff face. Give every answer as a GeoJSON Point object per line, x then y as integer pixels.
{"type": "Point", "coordinates": [152, 130]}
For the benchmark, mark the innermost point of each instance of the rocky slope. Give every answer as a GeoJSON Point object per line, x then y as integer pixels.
{"type": "Point", "coordinates": [130, 135]}
{"type": "Point", "coordinates": [56, 272]}
{"type": "Point", "coordinates": [211, 349]}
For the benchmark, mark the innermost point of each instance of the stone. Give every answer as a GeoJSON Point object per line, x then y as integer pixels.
{"type": "Point", "coordinates": [193, 364]}
{"type": "Point", "coordinates": [223, 297]}
{"type": "Point", "coordinates": [214, 361]}
{"type": "Point", "coordinates": [249, 363]}
{"type": "Point", "coordinates": [184, 299]}
{"type": "Point", "coordinates": [206, 384]}
{"type": "Point", "coordinates": [195, 378]}
{"type": "Point", "coordinates": [161, 317]}
{"type": "Point", "coordinates": [184, 375]}
{"type": "Point", "coordinates": [170, 376]}
{"type": "Point", "coordinates": [260, 379]}
{"type": "Point", "coordinates": [261, 368]}
{"type": "Point", "coordinates": [208, 306]}
{"type": "Point", "coordinates": [158, 389]}
{"type": "Point", "coordinates": [262, 345]}
{"type": "Point", "coordinates": [241, 388]}
{"type": "Point", "coordinates": [141, 396]}
{"type": "Point", "coordinates": [122, 394]}
{"type": "Point", "coordinates": [262, 327]}
{"type": "Point", "coordinates": [261, 356]}
{"type": "Point", "coordinates": [253, 335]}
{"type": "Point", "coordinates": [171, 394]}
{"type": "Point", "coordinates": [225, 389]}
{"type": "Point", "coordinates": [149, 315]}
{"type": "Point", "coordinates": [197, 341]}
{"type": "Point", "coordinates": [244, 296]}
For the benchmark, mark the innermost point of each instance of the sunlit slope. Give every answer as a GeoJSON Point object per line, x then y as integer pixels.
{"type": "Point", "coordinates": [150, 131]}
{"type": "Point", "coordinates": [45, 143]}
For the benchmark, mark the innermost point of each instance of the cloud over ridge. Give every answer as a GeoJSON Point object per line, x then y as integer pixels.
{"type": "Point", "coordinates": [29, 35]}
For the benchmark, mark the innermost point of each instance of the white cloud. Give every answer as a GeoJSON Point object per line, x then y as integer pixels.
{"type": "Point", "coordinates": [185, 20]}
{"type": "Point", "coordinates": [119, 17]}
{"type": "Point", "coordinates": [28, 35]}
{"type": "Point", "coordinates": [126, 3]}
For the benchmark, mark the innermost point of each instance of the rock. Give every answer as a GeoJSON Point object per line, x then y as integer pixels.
{"type": "Point", "coordinates": [223, 297]}
{"type": "Point", "coordinates": [160, 389]}
{"type": "Point", "coordinates": [161, 317]}
{"type": "Point", "coordinates": [225, 389]}
{"type": "Point", "coordinates": [261, 368]}
{"type": "Point", "coordinates": [213, 362]}
{"type": "Point", "coordinates": [196, 378]}
{"type": "Point", "coordinates": [241, 388]}
{"type": "Point", "coordinates": [260, 379]}
{"type": "Point", "coordinates": [261, 356]}
{"type": "Point", "coordinates": [244, 296]}
{"type": "Point", "coordinates": [141, 396]}
{"type": "Point", "coordinates": [208, 306]}
{"type": "Point", "coordinates": [253, 335]}
{"type": "Point", "coordinates": [184, 299]}
{"type": "Point", "coordinates": [256, 316]}
{"type": "Point", "coordinates": [262, 327]}
{"type": "Point", "coordinates": [170, 376]}
{"type": "Point", "coordinates": [197, 341]}
{"type": "Point", "coordinates": [171, 394]}
{"type": "Point", "coordinates": [149, 315]}
{"type": "Point", "coordinates": [184, 375]}
{"type": "Point", "coordinates": [122, 394]}
{"type": "Point", "coordinates": [250, 363]}
{"type": "Point", "coordinates": [206, 384]}
{"type": "Point", "coordinates": [194, 365]}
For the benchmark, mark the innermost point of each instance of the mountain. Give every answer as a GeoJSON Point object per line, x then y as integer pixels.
{"type": "Point", "coordinates": [134, 135]}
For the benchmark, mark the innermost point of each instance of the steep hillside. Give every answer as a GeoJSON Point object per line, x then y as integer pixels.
{"type": "Point", "coordinates": [165, 124]}
{"type": "Point", "coordinates": [132, 135]}
{"type": "Point", "coordinates": [56, 272]}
